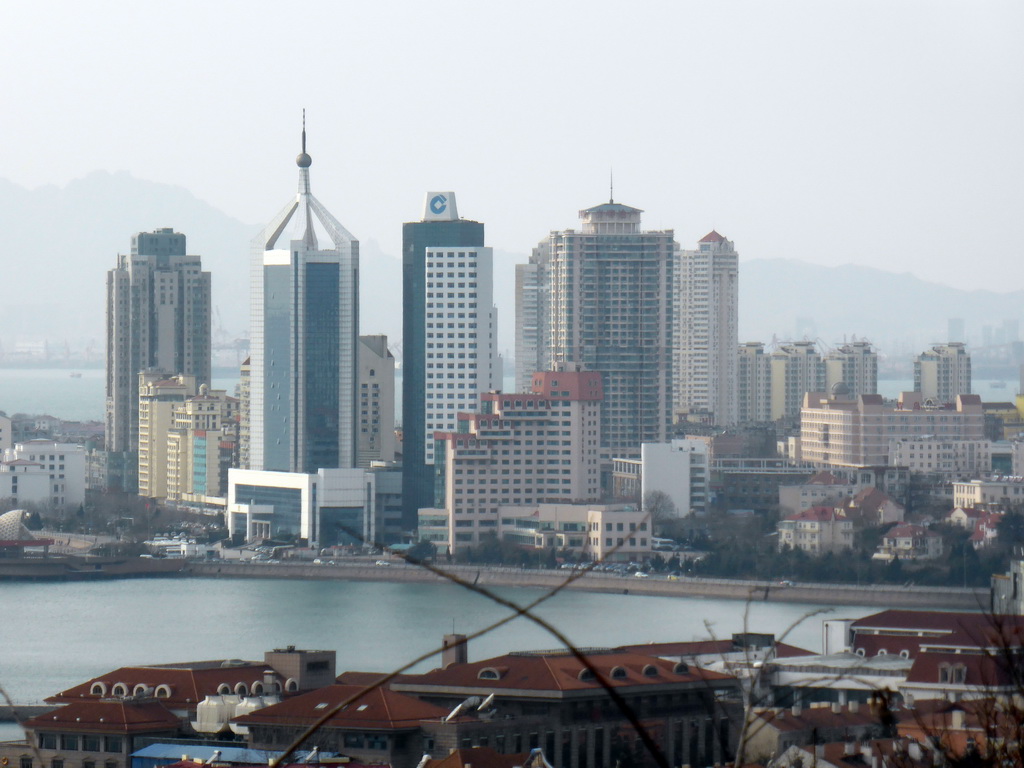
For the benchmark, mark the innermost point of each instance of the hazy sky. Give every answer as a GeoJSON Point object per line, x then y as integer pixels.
{"type": "Point", "coordinates": [889, 134]}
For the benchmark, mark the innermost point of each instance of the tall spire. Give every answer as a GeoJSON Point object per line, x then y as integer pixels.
{"type": "Point", "coordinates": [303, 160]}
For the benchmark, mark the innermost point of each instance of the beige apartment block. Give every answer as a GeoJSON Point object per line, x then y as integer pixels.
{"type": "Point", "coordinates": [606, 532]}
{"type": "Point", "coordinates": [521, 449]}
{"type": "Point", "coordinates": [158, 396]}
{"type": "Point", "coordinates": [985, 494]}
{"type": "Point", "coordinates": [841, 430]}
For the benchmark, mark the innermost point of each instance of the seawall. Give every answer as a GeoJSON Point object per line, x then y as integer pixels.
{"type": "Point", "coordinates": [884, 596]}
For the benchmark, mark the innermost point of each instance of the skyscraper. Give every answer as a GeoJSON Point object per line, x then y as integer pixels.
{"type": "Point", "coordinates": [305, 336]}
{"type": "Point", "coordinates": [943, 372]}
{"type": "Point", "coordinates": [440, 231]}
{"type": "Point", "coordinates": [158, 317]}
{"type": "Point", "coordinates": [610, 310]}
{"type": "Point", "coordinates": [707, 332]}
{"type": "Point", "coordinates": [855, 364]}
{"type": "Point", "coordinates": [532, 294]}
{"type": "Point", "coordinates": [796, 369]}
{"type": "Point", "coordinates": [754, 383]}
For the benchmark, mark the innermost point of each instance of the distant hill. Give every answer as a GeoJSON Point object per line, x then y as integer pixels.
{"type": "Point", "coordinates": [900, 313]}
{"type": "Point", "coordinates": [61, 242]}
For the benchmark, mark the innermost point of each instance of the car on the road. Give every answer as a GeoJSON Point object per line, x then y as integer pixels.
{"type": "Point", "coordinates": [641, 575]}
{"type": "Point", "coordinates": [382, 562]}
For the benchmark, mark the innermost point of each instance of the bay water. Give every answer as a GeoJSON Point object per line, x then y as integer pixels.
{"type": "Point", "coordinates": [56, 635]}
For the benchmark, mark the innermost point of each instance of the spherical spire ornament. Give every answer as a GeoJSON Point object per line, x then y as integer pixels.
{"type": "Point", "coordinates": [303, 160]}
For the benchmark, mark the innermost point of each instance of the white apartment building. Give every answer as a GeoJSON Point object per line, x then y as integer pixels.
{"type": "Point", "coordinates": [521, 449]}
{"type": "Point", "coordinates": [754, 384]}
{"type": "Point", "coordinates": [706, 321]}
{"type": "Point", "coordinates": [796, 369]}
{"type": "Point", "coordinates": [943, 372]}
{"type": "Point", "coordinates": [376, 438]}
{"type": "Point", "coordinates": [856, 365]}
{"type": "Point", "coordinates": [948, 458]}
{"type": "Point", "coordinates": [841, 430]}
{"type": "Point", "coordinates": [605, 532]}
{"type": "Point", "coordinates": [680, 469]}
{"type": "Point", "coordinates": [461, 355]}
{"type": "Point", "coordinates": [996, 492]}
{"type": "Point", "coordinates": [44, 472]}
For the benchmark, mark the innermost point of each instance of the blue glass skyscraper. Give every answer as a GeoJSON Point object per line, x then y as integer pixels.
{"type": "Point", "coordinates": [305, 335]}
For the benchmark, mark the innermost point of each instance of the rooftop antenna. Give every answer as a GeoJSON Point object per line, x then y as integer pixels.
{"type": "Point", "coordinates": [303, 130]}
{"type": "Point", "coordinates": [611, 185]}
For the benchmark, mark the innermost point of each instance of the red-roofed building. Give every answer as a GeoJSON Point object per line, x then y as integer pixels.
{"type": "Point", "coordinates": [86, 734]}
{"type": "Point", "coordinates": [817, 530]}
{"type": "Point", "coordinates": [908, 541]}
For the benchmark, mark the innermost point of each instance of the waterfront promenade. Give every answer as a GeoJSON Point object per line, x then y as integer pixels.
{"type": "Point", "coordinates": [885, 596]}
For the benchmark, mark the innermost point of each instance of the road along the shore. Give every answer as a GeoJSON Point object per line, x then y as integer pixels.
{"type": "Point", "coordinates": [886, 596]}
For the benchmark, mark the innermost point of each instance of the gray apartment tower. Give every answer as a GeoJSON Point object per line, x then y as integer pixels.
{"type": "Point", "coordinates": [158, 317]}
{"type": "Point", "coordinates": [303, 404]}
{"type": "Point", "coordinates": [604, 302]}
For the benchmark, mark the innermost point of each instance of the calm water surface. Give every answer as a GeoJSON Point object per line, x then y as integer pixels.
{"type": "Point", "coordinates": [57, 635]}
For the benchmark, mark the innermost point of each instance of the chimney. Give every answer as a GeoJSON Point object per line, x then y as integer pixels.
{"type": "Point", "coordinates": [854, 707]}
{"type": "Point", "coordinates": [454, 650]}
{"type": "Point", "coordinates": [849, 749]}
{"type": "Point", "coordinates": [836, 707]}
{"type": "Point", "coordinates": [797, 710]}
{"type": "Point", "coordinates": [957, 719]}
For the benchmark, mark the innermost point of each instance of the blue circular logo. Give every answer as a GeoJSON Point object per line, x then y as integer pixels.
{"type": "Point", "coordinates": [438, 203]}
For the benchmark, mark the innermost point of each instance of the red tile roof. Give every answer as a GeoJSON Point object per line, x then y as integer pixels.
{"type": "Point", "coordinates": [560, 672]}
{"type": "Point", "coordinates": [694, 648]}
{"type": "Point", "coordinates": [107, 717]}
{"type": "Point", "coordinates": [819, 514]}
{"type": "Point", "coordinates": [188, 683]}
{"type": "Point", "coordinates": [478, 757]}
{"type": "Point", "coordinates": [379, 709]}
{"type": "Point", "coordinates": [711, 237]}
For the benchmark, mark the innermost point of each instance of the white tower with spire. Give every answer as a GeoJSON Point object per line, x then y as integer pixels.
{"type": "Point", "coordinates": [305, 335]}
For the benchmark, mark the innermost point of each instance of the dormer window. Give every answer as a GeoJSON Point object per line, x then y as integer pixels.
{"type": "Point", "coordinates": [618, 673]}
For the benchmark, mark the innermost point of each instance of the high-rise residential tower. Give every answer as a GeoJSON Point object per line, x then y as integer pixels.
{"type": "Point", "coordinates": [610, 310]}
{"type": "Point", "coordinates": [158, 317]}
{"type": "Point", "coordinates": [943, 372]}
{"type": "Point", "coordinates": [425, 335]}
{"type": "Point", "coordinates": [796, 369]}
{"type": "Point", "coordinates": [532, 294]}
{"type": "Point", "coordinates": [706, 294]}
{"type": "Point", "coordinates": [855, 364]}
{"type": "Point", "coordinates": [754, 383]}
{"type": "Point", "coordinates": [304, 349]}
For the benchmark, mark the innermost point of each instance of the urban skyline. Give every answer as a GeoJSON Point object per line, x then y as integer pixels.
{"type": "Point", "coordinates": [857, 125]}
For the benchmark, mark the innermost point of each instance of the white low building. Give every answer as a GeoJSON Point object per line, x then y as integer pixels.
{"type": "Point", "coordinates": [44, 472]}
{"type": "Point", "coordinates": [332, 507]}
{"type": "Point", "coordinates": [680, 469]}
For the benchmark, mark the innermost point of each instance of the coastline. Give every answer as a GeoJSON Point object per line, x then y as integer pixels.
{"type": "Point", "coordinates": [883, 596]}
